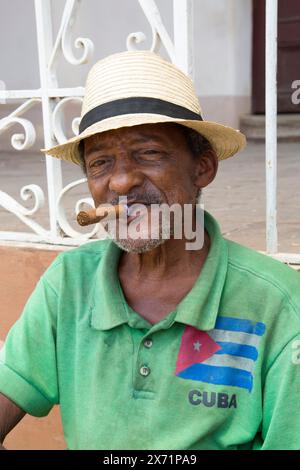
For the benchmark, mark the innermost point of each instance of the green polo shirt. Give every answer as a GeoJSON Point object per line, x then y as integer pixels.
{"type": "Point", "coordinates": [220, 372]}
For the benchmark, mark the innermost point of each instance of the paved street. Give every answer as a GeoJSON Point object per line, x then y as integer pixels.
{"type": "Point", "coordinates": [236, 198]}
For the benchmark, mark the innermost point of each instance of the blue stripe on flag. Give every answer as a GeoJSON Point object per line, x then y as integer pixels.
{"type": "Point", "coordinates": [238, 324]}
{"type": "Point", "coordinates": [236, 349]}
{"type": "Point", "coordinates": [218, 375]}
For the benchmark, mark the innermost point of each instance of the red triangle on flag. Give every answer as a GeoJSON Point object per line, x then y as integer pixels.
{"type": "Point", "coordinates": [196, 346]}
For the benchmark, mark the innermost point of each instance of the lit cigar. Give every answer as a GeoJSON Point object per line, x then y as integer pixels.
{"type": "Point", "coordinates": [93, 216]}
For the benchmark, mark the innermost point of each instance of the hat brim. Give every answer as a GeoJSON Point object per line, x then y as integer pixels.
{"type": "Point", "coordinates": [225, 140]}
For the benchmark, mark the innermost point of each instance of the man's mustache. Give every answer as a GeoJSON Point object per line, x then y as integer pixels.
{"type": "Point", "coordinates": [145, 198]}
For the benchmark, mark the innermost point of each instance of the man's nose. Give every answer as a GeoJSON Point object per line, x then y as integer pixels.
{"type": "Point", "coordinates": [125, 177]}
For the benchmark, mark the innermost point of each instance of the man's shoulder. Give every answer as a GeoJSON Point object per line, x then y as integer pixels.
{"type": "Point", "coordinates": [265, 271]}
{"type": "Point", "coordinates": [83, 259]}
{"type": "Point", "coordinates": [92, 248]}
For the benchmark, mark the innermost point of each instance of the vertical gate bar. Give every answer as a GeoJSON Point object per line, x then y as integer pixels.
{"type": "Point", "coordinates": [183, 35]}
{"type": "Point", "coordinates": [48, 80]}
{"type": "Point", "coordinates": [271, 125]}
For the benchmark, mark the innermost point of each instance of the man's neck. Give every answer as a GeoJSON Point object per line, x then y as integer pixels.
{"type": "Point", "coordinates": [166, 261]}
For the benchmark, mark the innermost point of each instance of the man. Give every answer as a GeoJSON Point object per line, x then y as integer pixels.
{"type": "Point", "coordinates": [146, 344]}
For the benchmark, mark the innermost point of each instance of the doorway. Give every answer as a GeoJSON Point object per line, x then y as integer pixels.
{"type": "Point", "coordinates": [288, 55]}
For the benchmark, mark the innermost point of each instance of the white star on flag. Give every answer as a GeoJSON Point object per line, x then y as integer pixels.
{"type": "Point", "coordinates": [197, 346]}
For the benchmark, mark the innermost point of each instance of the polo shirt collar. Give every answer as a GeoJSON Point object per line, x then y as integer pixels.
{"type": "Point", "coordinates": [199, 308]}
{"type": "Point", "coordinates": [107, 305]}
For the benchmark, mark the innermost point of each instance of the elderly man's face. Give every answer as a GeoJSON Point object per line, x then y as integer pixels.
{"type": "Point", "coordinates": [149, 164]}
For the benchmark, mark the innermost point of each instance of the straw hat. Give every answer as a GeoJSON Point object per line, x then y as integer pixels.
{"type": "Point", "coordinates": [139, 87]}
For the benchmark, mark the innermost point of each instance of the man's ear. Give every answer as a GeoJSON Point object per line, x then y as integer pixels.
{"type": "Point", "coordinates": [206, 169]}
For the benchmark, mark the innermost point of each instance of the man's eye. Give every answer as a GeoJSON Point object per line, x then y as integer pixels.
{"type": "Point", "coordinates": [150, 151]}
{"type": "Point", "coordinates": [98, 162]}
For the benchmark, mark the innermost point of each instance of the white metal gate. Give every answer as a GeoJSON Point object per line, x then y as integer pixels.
{"type": "Point", "coordinates": [271, 136]}
{"type": "Point", "coordinates": [179, 51]}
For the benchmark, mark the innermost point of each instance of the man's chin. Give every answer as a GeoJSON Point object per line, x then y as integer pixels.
{"type": "Point", "coordinates": [138, 246]}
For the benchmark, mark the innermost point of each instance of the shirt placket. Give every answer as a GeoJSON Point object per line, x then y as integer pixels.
{"type": "Point", "coordinates": [143, 380]}
{"type": "Point", "coordinates": [146, 360]}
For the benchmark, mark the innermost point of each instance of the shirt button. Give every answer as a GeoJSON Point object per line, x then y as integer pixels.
{"type": "Point", "coordinates": [148, 343]}
{"type": "Point", "coordinates": [145, 371]}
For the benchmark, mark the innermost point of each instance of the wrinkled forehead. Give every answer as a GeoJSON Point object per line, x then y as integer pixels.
{"type": "Point", "coordinates": [161, 132]}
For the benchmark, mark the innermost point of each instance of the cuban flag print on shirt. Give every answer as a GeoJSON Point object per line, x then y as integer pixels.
{"type": "Point", "coordinates": [225, 355]}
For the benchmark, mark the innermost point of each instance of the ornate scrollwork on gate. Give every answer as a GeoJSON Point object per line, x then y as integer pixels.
{"type": "Point", "coordinates": [54, 101]}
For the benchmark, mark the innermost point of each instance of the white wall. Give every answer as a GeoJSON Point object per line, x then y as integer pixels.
{"type": "Point", "coordinates": [223, 47]}
{"type": "Point", "coordinates": [106, 22]}
{"type": "Point", "coordinates": [18, 50]}
{"type": "Point", "coordinates": [222, 35]}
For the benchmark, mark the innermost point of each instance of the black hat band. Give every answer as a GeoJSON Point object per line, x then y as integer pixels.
{"type": "Point", "coordinates": [136, 105]}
